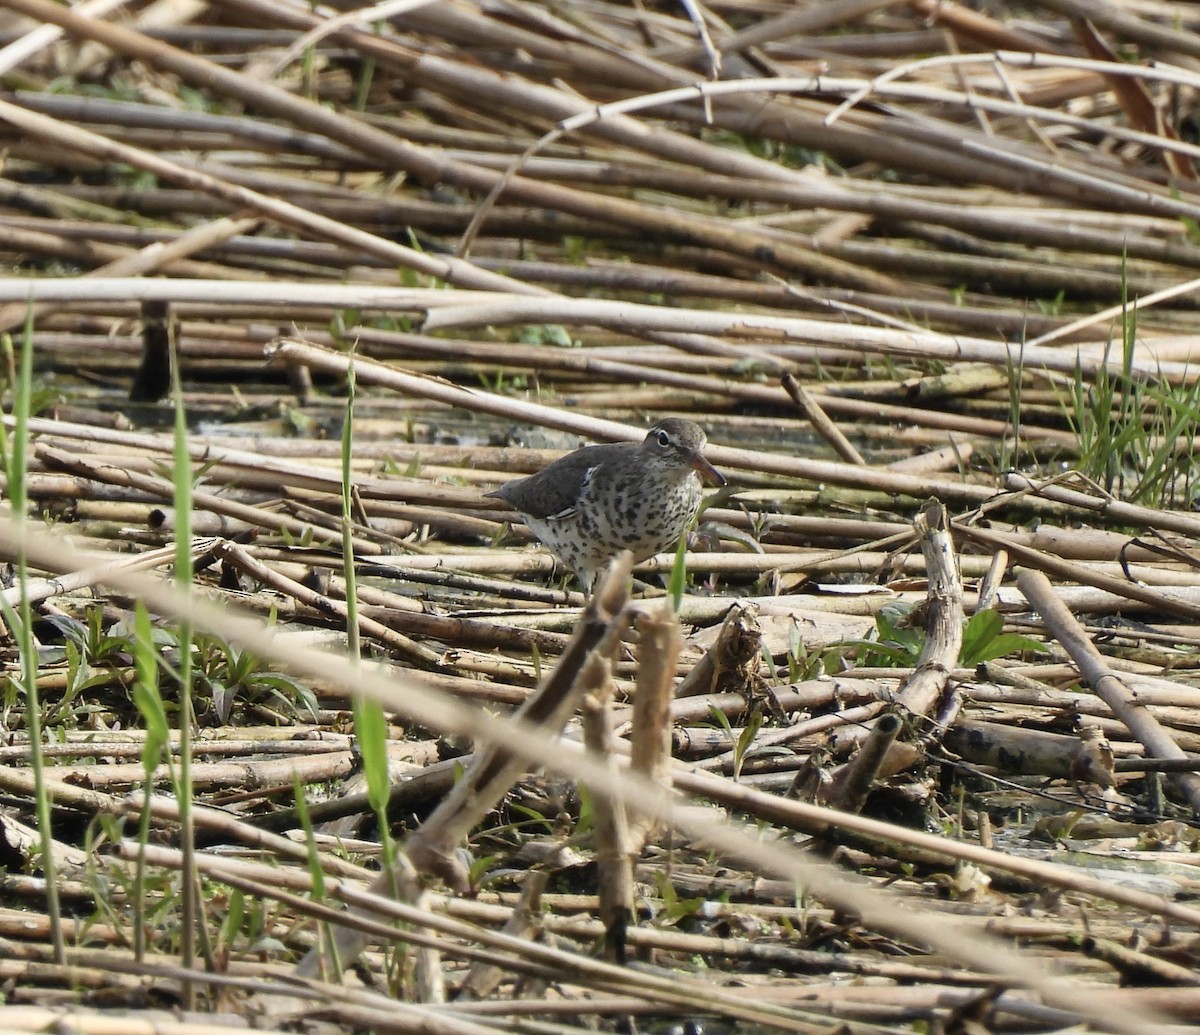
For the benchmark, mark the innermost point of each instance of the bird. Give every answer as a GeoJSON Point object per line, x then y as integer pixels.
{"type": "Point", "coordinates": [593, 503]}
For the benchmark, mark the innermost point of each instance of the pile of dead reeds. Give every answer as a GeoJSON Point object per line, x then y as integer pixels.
{"type": "Point", "coordinates": [884, 252]}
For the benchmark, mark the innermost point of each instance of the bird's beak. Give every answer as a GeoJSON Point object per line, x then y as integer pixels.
{"type": "Point", "coordinates": [707, 471]}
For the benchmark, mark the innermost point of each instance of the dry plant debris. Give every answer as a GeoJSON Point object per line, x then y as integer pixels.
{"type": "Point", "coordinates": [926, 274]}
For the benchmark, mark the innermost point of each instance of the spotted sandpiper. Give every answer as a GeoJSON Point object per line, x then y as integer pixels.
{"type": "Point", "coordinates": [593, 503]}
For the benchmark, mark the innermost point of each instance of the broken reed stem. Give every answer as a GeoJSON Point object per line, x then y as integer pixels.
{"type": "Point", "coordinates": [856, 779]}
{"type": "Point", "coordinates": [1105, 684]}
{"type": "Point", "coordinates": [650, 737]}
{"type": "Point", "coordinates": [828, 430]}
{"type": "Point", "coordinates": [944, 613]}
{"type": "Point", "coordinates": [614, 854]}
{"type": "Point", "coordinates": [1087, 756]}
{"type": "Point", "coordinates": [431, 849]}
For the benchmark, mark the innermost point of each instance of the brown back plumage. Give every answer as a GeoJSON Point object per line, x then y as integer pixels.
{"type": "Point", "coordinates": [592, 503]}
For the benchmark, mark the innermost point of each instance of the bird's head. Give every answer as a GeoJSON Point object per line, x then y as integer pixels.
{"type": "Point", "coordinates": [680, 443]}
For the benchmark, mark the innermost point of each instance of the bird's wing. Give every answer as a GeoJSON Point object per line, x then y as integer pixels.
{"type": "Point", "coordinates": [553, 493]}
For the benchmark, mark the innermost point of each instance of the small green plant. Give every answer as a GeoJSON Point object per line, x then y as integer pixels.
{"type": "Point", "coordinates": [674, 909]}
{"type": "Point", "coordinates": [481, 871]}
{"type": "Point", "coordinates": [984, 639]}
{"type": "Point", "coordinates": [742, 742]}
{"type": "Point", "coordinates": [802, 664]}
{"type": "Point", "coordinates": [410, 470]}
{"type": "Point", "coordinates": [587, 814]}
{"type": "Point", "coordinates": [228, 674]}
{"type": "Point", "coordinates": [1011, 443]}
{"type": "Point", "coordinates": [1052, 306]}
{"type": "Point", "coordinates": [503, 382]}
{"type": "Point", "coordinates": [96, 655]}
{"type": "Point", "coordinates": [547, 334]}
{"type": "Point", "coordinates": [1101, 416]}
{"type": "Point", "coordinates": [153, 892]}
{"type": "Point", "coordinates": [1168, 473]}
{"type": "Point", "coordinates": [41, 395]}
{"type": "Point", "coordinates": [896, 644]}
{"type": "Point", "coordinates": [1136, 439]}
{"type": "Point", "coordinates": [536, 659]}
{"type": "Point", "coordinates": [316, 870]}
{"type": "Point", "coordinates": [1191, 229]}
{"type": "Point", "coordinates": [231, 927]}
{"type": "Point", "coordinates": [93, 658]}
{"type": "Point", "coordinates": [340, 325]}
{"type": "Point", "coordinates": [303, 541]}
{"type": "Point", "coordinates": [533, 820]}
{"type": "Point", "coordinates": [97, 644]}
{"type": "Point", "coordinates": [575, 249]}
{"type": "Point", "coordinates": [366, 75]}
{"type": "Point", "coordinates": [1135, 436]}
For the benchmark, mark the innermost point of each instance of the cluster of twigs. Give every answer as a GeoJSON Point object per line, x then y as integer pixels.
{"type": "Point", "coordinates": [882, 251]}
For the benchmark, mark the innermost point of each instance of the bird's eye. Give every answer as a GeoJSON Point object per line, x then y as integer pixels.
{"type": "Point", "coordinates": [664, 439]}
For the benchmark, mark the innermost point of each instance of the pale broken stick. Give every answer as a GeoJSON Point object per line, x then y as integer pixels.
{"type": "Point", "coordinates": [1104, 683]}
{"type": "Point", "coordinates": [622, 829]}
{"type": "Point", "coordinates": [431, 849]}
{"type": "Point", "coordinates": [928, 692]}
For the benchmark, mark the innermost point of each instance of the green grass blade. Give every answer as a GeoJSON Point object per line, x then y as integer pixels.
{"type": "Point", "coordinates": [370, 725]}
{"type": "Point", "coordinates": [182, 499]}
{"type": "Point", "coordinates": [21, 625]}
{"type": "Point", "coordinates": [348, 573]}
{"type": "Point", "coordinates": [148, 700]}
{"type": "Point", "coordinates": [678, 580]}
{"type": "Point", "coordinates": [315, 872]}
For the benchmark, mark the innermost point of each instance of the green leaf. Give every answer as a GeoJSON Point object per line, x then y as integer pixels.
{"type": "Point", "coordinates": [1009, 643]}
{"type": "Point", "coordinates": [146, 696]}
{"type": "Point", "coordinates": [984, 639]}
{"type": "Point", "coordinates": [678, 578]}
{"type": "Point", "coordinates": [744, 740]}
{"type": "Point", "coordinates": [479, 869]}
{"type": "Point", "coordinates": [721, 720]}
{"type": "Point", "coordinates": [231, 926]}
{"type": "Point", "coordinates": [983, 627]}
{"type": "Point", "coordinates": [371, 728]}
